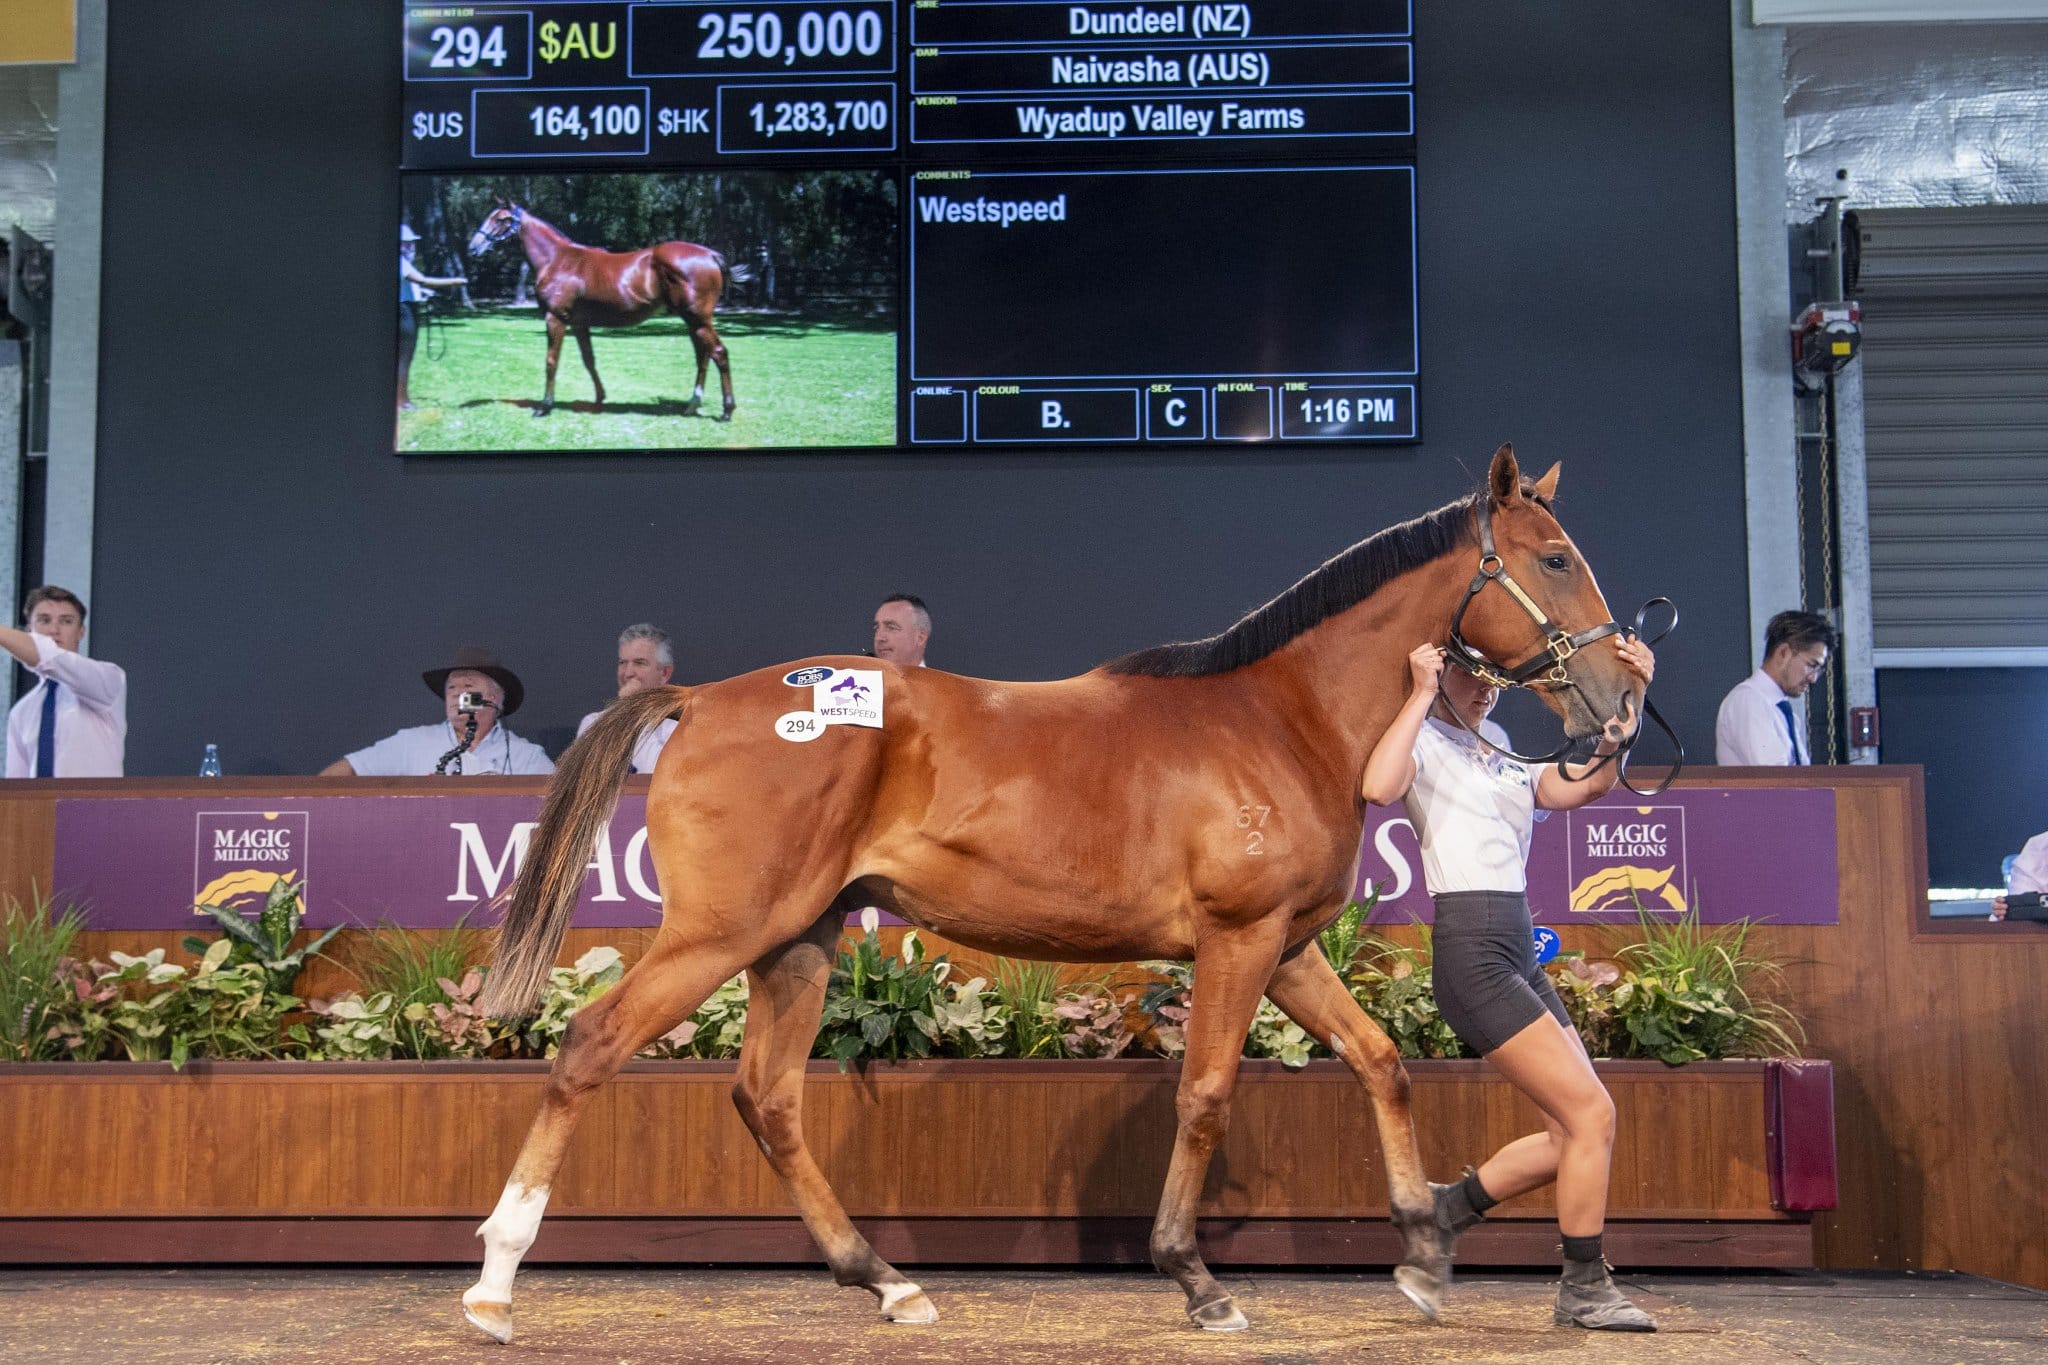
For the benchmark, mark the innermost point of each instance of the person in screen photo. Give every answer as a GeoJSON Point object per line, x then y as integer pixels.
{"type": "Point", "coordinates": [413, 287]}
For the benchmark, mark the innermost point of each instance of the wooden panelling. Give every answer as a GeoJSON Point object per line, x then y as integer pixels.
{"type": "Point", "coordinates": [1941, 1084]}
{"type": "Point", "coordinates": [921, 1140]}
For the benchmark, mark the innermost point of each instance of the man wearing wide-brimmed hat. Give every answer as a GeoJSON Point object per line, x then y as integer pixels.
{"type": "Point", "coordinates": [495, 749]}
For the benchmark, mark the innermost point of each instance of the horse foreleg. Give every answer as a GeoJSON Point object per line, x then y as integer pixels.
{"type": "Point", "coordinates": [1313, 995]}
{"type": "Point", "coordinates": [660, 991]}
{"type": "Point", "coordinates": [1231, 971]}
{"type": "Point", "coordinates": [590, 361]}
{"type": "Point", "coordinates": [710, 347]}
{"type": "Point", "coordinates": [556, 329]}
{"type": "Point", "coordinates": [785, 997]}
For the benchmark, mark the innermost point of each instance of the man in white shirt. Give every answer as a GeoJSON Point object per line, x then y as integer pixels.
{"type": "Point", "coordinates": [1762, 723]}
{"type": "Point", "coordinates": [74, 722]}
{"type": "Point", "coordinates": [645, 660]}
{"type": "Point", "coordinates": [902, 626]}
{"type": "Point", "coordinates": [2029, 873]}
{"type": "Point", "coordinates": [493, 749]}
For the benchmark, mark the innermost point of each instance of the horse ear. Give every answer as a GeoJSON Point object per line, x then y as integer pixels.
{"type": "Point", "coordinates": [1546, 487]}
{"type": "Point", "coordinates": [1505, 479]}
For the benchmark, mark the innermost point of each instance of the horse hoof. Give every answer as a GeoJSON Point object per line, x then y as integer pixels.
{"type": "Point", "coordinates": [1424, 1290]}
{"type": "Point", "coordinates": [1219, 1315]}
{"type": "Point", "coordinates": [906, 1303]}
{"type": "Point", "coordinates": [494, 1320]}
{"type": "Point", "coordinates": [725, 416]}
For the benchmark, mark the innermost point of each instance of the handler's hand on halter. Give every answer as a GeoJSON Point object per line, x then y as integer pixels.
{"type": "Point", "coordinates": [1426, 667]}
{"type": "Point", "coordinates": [1637, 659]}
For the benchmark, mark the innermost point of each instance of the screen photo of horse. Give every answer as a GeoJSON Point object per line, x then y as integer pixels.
{"type": "Point", "coordinates": [634, 311]}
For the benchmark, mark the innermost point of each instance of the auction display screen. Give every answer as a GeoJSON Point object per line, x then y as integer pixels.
{"type": "Point", "coordinates": [695, 224]}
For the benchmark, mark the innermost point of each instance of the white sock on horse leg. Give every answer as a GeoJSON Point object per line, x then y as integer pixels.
{"type": "Point", "coordinates": [507, 1233]}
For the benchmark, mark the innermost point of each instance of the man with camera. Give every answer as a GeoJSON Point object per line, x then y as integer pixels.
{"type": "Point", "coordinates": [74, 721]}
{"type": "Point", "coordinates": [477, 692]}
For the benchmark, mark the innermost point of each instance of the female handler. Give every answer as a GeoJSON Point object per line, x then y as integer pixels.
{"type": "Point", "coordinates": [1472, 810]}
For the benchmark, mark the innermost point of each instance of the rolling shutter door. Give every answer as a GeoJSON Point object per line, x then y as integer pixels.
{"type": "Point", "coordinates": [1955, 360]}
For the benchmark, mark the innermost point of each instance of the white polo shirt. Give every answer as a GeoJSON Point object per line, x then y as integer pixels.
{"type": "Point", "coordinates": [414, 752]}
{"type": "Point", "coordinates": [92, 715]}
{"type": "Point", "coordinates": [1472, 811]}
{"type": "Point", "coordinates": [651, 739]}
{"type": "Point", "coordinates": [1749, 731]}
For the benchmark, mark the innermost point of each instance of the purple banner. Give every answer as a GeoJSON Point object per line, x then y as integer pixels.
{"type": "Point", "coordinates": [423, 861]}
{"type": "Point", "coordinates": [1734, 853]}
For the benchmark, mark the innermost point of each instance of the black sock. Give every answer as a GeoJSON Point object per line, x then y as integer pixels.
{"type": "Point", "coordinates": [1466, 1202]}
{"type": "Point", "coordinates": [1583, 1249]}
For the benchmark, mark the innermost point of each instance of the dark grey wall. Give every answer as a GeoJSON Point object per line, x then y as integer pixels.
{"type": "Point", "coordinates": [274, 579]}
{"type": "Point", "coordinates": [1981, 734]}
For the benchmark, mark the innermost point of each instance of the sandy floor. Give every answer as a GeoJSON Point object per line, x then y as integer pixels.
{"type": "Point", "coordinates": [1069, 1317]}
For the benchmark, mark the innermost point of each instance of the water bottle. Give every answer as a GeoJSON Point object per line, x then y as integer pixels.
{"type": "Point", "coordinates": [209, 766]}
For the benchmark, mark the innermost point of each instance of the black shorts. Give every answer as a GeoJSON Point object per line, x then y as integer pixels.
{"type": "Point", "coordinates": [1488, 983]}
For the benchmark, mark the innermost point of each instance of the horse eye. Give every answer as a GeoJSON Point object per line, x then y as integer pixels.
{"type": "Point", "coordinates": [1556, 563]}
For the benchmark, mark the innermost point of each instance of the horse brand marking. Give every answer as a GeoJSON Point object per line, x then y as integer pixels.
{"type": "Point", "coordinates": [1252, 820]}
{"type": "Point", "coordinates": [799, 727]}
{"type": "Point", "coordinates": [808, 677]}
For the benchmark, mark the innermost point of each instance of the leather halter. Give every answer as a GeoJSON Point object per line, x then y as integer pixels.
{"type": "Point", "coordinates": [1546, 669]}
{"type": "Point", "coordinates": [516, 214]}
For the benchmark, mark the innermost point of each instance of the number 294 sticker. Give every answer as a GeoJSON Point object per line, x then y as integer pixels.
{"type": "Point", "coordinates": [799, 727]}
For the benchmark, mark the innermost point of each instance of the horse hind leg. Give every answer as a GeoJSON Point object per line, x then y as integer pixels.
{"type": "Point", "coordinates": [1308, 988]}
{"type": "Point", "coordinates": [660, 991]}
{"type": "Point", "coordinates": [785, 998]}
{"type": "Point", "coordinates": [709, 347]}
{"type": "Point", "coordinates": [590, 361]}
{"type": "Point", "coordinates": [703, 351]}
{"type": "Point", "coordinates": [1230, 972]}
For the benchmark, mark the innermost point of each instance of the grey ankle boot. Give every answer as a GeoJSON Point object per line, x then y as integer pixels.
{"type": "Point", "coordinates": [1586, 1297]}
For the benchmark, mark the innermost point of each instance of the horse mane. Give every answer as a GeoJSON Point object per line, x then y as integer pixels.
{"type": "Point", "coordinates": [1339, 583]}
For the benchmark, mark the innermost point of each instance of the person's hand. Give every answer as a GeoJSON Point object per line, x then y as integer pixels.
{"type": "Point", "coordinates": [1637, 658]}
{"type": "Point", "coordinates": [1998, 907]}
{"type": "Point", "coordinates": [1426, 668]}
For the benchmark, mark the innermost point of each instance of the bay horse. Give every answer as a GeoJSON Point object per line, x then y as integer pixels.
{"type": "Point", "coordinates": [1093, 819]}
{"type": "Point", "coordinates": [580, 287]}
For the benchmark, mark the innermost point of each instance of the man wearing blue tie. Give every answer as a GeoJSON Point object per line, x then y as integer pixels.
{"type": "Point", "coordinates": [1762, 723]}
{"type": "Point", "coordinates": [74, 721]}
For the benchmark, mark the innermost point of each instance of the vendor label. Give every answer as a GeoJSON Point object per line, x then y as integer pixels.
{"type": "Point", "coordinates": [808, 677]}
{"type": "Point", "coordinates": [852, 696]}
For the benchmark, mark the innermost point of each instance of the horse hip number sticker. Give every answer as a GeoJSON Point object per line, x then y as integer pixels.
{"type": "Point", "coordinates": [839, 696]}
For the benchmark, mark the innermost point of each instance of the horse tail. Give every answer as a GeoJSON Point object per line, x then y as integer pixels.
{"type": "Point", "coordinates": [733, 273]}
{"type": "Point", "coordinates": [580, 800]}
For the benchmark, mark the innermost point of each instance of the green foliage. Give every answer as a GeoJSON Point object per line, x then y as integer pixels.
{"type": "Point", "coordinates": [35, 940]}
{"type": "Point", "coordinates": [882, 1006]}
{"type": "Point", "coordinates": [360, 1029]}
{"type": "Point", "coordinates": [1393, 984]}
{"type": "Point", "coordinates": [973, 1020]}
{"type": "Point", "coordinates": [1587, 989]}
{"type": "Point", "coordinates": [1026, 992]}
{"type": "Point", "coordinates": [428, 975]}
{"type": "Point", "coordinates": [1165, 1006]}
{"type": "Point", "coordinates": [568, 990]}
{"type": "Point", "coordinates": [1274, 1035]}
{"type": "Point", "coordinates": [1692, 991]}
{"type": "Point", "coordinates": [1342, 938]}
{"type": "Point", "coordinates": [715, 1030]}
{"type": "Point", "coordinates": [268, 941]}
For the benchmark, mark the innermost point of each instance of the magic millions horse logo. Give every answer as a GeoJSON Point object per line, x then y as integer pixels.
{"type": "Point", "coordinates": [239, 855]}
{"type": "Point", "coordinates": [1622, 857]}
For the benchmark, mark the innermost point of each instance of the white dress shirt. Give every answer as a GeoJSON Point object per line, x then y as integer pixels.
{"type": "Point", "coordinates": [649, 747]}
{"type": "Point", "coordinates": [2030, 869]}
{"type": "Point", "coordinates": [1750, 730]}
{"type": "Point", "coordinates": [1472, 811]}
{"type": "Point", "coordinates": [414, 752]}
{"type": "Point", "coordinates": [92, 715]}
